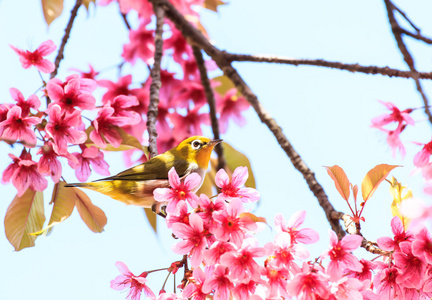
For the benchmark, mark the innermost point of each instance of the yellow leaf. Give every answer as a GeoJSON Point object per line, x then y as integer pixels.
{"type": "Point", "coordinates": [213, 4]}
{"type": "Point", "coordinates": [373, 179]}
{"type": "Point", "coordinates": [225, 84]}
{"type": "Point", "coordinates": [152, 218]}
{"type": "Point", "coordinates": [209, 180]}
{"type": "Point", "coordinates": [52, 9]}
{"type": "Point", "coordinates": [253, 217]}
{"type": "Point", "coordinates": [234, 159]}
{"type": "Point", "coordinates": [340, 180]}
{"type": "Point", "coordinates": [399, 193]}
{"type": "Point", "coordinates": [93, 216]}
{"type": "Point", "coordinates": [24, 215]}
{"type": "Point", "coordinates": [86, 3]}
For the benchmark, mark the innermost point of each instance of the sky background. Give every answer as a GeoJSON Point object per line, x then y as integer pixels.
{"type": "Point", "coordinates": [324, 113]}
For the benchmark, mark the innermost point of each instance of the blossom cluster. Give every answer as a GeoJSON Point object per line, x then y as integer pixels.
{"type": "Point", "coordinates": [402, 119]}
{"type": "Point", "coordinates": [218, 237]}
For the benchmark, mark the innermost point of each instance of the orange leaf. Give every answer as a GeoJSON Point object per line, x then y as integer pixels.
{"type": "Point", "coordinates": [213, 4]}
{"type": "Point", "coordinates": [52, 9]}
{"type": "Point", "coordinates": [253, 217]}
{"type": "Point", "coordinates": [64, 203]}
{"type": "Point", "coordinates": [373, 179]}
{"type": "Point", "coordinates": [24, 215]}
{"type": "Point", "coordinates": [340, 180]}
{"type": "Point", "coordinates": [93, 216]}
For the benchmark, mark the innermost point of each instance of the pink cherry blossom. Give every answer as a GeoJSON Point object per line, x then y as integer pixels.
{"type": "Point", "coordinates": [178, 43]}
{"type": "Point", "coordinates": [194, 289]}
{"type": "Point", "coordinates": [347, 288]}
{"type": "Point", "coordinates": [180, 190]}
{"type": "Point", "coordinates": [90, 156]}
{"type": "Point", "coordinates": [411, 267]}
{"type": "Point", "coordinates": [122, 109]}
{"type": "Point", "coordinates": [220, 283]}
{"type": "Point", "coordinates": [141, 44]}
{"type": "Point", "coordinates": [365, 274]}
{"type": "Point", "coordinates": [422, 245]}
{"type": "Point", "coordinates": [385, 282]}
{"type": "Point", "coordinates": [231, 106]}
{"type": "Point", "coordinates": [35, 58]}
{"type": "Point", "coordinates": [213, 254]}
{"type": "Point", "coordinates": [276, 281]}
{"type": "Point", "coordinates": [400, 117]}
{"type": "Point", "coordinates": [17, 127]}
{"type": "Point", "coordinates": [206, 209]}
{"type": "Point", "coordinates": [49, 164]}
{"type": "Point", "coordinates": [308, 284]}
{"type": "Point", "coordinates": [284, 252]}
{"type": "Point", "coordinates": [181, 215]}
{"type": "Point", "coordinates": [190, 124]}
{"type": "Point", "coordinates": [394, 141]}
{"type": "Point", "coordinates": [91, 74]}
{"type": "Point", "coordinates": [194, 240]}
{"type": "Point", "coordinates": [128, 280]}
{"type": "Point", "coordinates": [32, 102]}
{"type": "Point", "coordinates": [74, 92]}
{"type": "Point", "coordinates": [400, 235]}
{"type": "Point", "coordinates": [60, 128]}
{"type": "Point", "coordinates": [340, 254]}
{"type": "Point", "coordinates": [121, 87]}
{"type": "Point", "coordinates": [190, 90]}
{"type": "Point", "coordinates": [245, 289]}
{"type": "Point", "coordinates": [304, 236]}
{"type": "Point", "coordinates": [24, 174]}
{"type": "Point", "coordinates": [242, 264]}
{"type": "Point", "coordinates": [421, 159]}
{"type": "Point", "coordinates": [234, 188]}
{"type": "Point", "coordinates": [233, 226]}
{"type": "Point", "coordinates": [105, 129]}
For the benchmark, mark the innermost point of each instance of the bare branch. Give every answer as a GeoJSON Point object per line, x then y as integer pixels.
{"type": "Point", "coordinates": [64, 40]}
{"type": "Point", "coordinates": [406, 18]}
{"type": "Point", "coordinates": [355, 68]}
{"type": "Point", "coordinates": [191, 33]}
{"type": "Point", "coordinates": [396, 29]}
{"type": "Point", "coordinates": [124, 17]}
{"type": "Point", "coordinates": [211, 102]}
{"type": "Point", "coordinates": [417, 36]}
{"type": "Point", "coordinates": [156, 80]}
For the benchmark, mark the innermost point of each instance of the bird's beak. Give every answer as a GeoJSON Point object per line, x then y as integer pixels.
{"type": "Point", "coordinates": [215, 142]}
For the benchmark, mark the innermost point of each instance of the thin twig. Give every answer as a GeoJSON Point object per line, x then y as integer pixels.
{"type": "Point", "coordinates": [417, 36]}
{"type": "Point", "coordinates": [156, 80]}
{"type": "Point", "coordinates": [211, 102]}
{"type": "Point", "coordinates": [406, 55]}
{"type": "Point", "coordinates": [355, 68]}
{"type": "Point", "coordinates": [406, 18]}
{"type": "Point", "coordinates": [190, 32]}
{"type": "Point", "coordinates": [126, 21]}
{"type": "Point", "coordinates": [65, 39]}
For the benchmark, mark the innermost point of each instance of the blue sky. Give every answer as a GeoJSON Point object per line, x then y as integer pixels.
{"type": "Point", "coordinates": [324, 113]}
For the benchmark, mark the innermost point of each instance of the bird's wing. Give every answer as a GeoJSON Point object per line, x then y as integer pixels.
{"type": "Point", "coordinates": [155, 168]}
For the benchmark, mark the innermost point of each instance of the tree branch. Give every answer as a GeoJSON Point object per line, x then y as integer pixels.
{"type": "Point", "coordinates": [156, 80]}
{"type": "Point", "coordinates": [211, 102]}
{"type": "Point", "coordinates": [218, 56]}
{"type": "Point", "coordinates": [68, 29]}
{"type": "Point", "coordinates": [417, 36]}
{"type": "Point", "coordinates": [355, 68]}
{"type": "Point", "coordinates": [396, 29]}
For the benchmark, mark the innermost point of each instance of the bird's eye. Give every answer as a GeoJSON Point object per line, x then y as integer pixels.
{"type": "Point", "coordinates": [196, 144]}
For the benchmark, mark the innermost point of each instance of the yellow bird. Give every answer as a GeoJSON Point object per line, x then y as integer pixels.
{"type": "Point", "coordinates": [136, 185]}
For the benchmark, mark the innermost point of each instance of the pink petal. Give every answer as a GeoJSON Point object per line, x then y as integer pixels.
{"type": "Point", "coordinates": [173, 178]}
{"type": "Point", "coordinates": [45, 66]}
{"type": "Point", "coordinates": [386, 243]}
{"type": "Point", "coordinates": [46, 48]}
{"type": "Point", "coordinates": [239, 177]}
{"type": "Point", "coordinates": [55, 91]}
{"type": "Point", "coordinates": [351, 242]}
{"type": "Point", "coordinates": [192, 181]}
{"type": "Point", "coordinates": [162, 194]}
{"type": "Point", "coordinates": [221, 178]}
{"type": "Point", "coordinates": [196, 222]}
{"type": "Point", "coordinates": [297, 219]}
{"type": "Point", "coordinates": [307, 236]}
{"type": "Point", "coordinates": [421, 158]}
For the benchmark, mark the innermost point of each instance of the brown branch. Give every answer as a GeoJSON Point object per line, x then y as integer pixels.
{"type": "Point", "coordinates": [417, 36]}
{"type": "Point", "coordinates": [191, 33]}
{"type": "Point", "coordinates": [396, 29]}
{"type": "Point", "coordinates": [65, 39]}
{"type": "Point", "coordinates": [353, 228]}
{"type": "Point", "coordinates": [355, 68]}
{"type": "Point", "coordinates": [125, 20]}
{"type": "Point", "coordinates": [406, 18]}
{"type": "Point", "coordinates": [156, 80]}
{"type": "Point", "coordinates": [211, 102]}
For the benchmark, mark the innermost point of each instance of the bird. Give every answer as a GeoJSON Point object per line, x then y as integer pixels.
{"type": "Point", "coordinates": [135, 186]}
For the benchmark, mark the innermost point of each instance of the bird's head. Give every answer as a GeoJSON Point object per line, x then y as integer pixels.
{"type": "Point", "coordinates": [197, 149]}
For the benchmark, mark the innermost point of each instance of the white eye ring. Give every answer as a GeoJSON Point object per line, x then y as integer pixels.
{"type": "Point", "coordinates": [196, 144]}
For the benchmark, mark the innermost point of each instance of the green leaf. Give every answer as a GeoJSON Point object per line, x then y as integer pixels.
{"type": "Point", "coordinates": [373, 179]}
{"type": "Point", "coordinates": [24, 215]}
{"type": "Point", "coordinates": [340, 180]}
{"type": "Point", "coordinates": [52, 9]}
{"type": "Point", "coordinates": [234, 159]}
{"type": "Point", "coordinates": [152, 218]}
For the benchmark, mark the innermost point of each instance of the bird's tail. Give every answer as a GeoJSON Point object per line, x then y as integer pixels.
{"type": "Point", "coordinates": [78, 184]}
